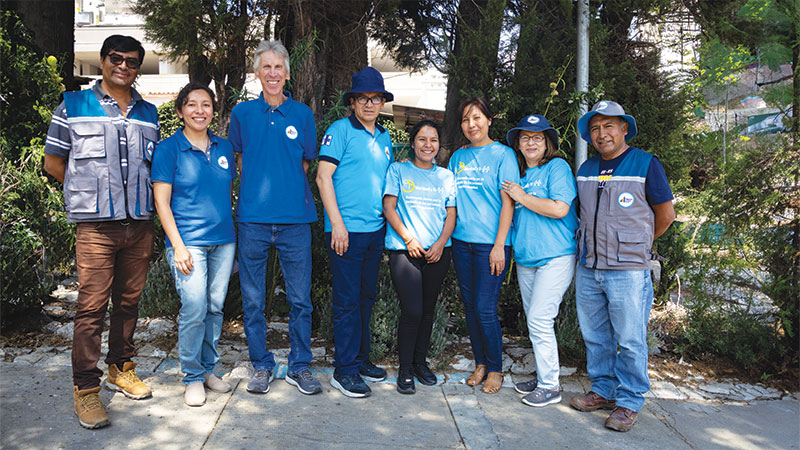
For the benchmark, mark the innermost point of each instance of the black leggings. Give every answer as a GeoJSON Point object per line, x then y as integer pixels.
{"type": "Point", "coordinates": [418, 284]}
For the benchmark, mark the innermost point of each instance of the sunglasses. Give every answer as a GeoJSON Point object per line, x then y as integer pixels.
{"type": "Point", "coordinates": [117, 59]}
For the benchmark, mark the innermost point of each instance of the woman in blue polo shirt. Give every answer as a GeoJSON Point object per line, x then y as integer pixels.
{"type": "Point", "coordinates": [419, 204]}
{"type": "Point", "coordinates": [481, 240]}
{"type": "Point", "coordinates": [192, 174]}
{"type": "Point", "coordinates": [544, 245]}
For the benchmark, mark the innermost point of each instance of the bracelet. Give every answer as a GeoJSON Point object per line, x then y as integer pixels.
{"type": "Point", "coordinates": [408, 241]}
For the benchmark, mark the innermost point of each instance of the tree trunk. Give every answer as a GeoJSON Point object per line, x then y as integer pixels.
{"type": "Point", "coordinates": [52, 23]}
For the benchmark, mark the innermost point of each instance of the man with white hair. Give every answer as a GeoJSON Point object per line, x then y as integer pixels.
{"type": "Point", "coordinates": [275, 138]}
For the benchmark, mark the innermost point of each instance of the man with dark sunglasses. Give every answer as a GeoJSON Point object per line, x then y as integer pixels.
{"type": "Point", "coordinates": [99, 145]}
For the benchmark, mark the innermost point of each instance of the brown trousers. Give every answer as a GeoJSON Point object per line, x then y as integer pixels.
{"type": "Point", "coordinates": [112, 259]}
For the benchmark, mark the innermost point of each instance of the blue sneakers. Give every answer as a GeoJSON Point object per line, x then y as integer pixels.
{"type": "Point", "coordinates": [351, 385]}
{"type": "Point", "coordinates": [259, 383]}
{"type": "Point", "coordinates": [304, 382]}
{"type": "Point", "coordinates": [371, 372]}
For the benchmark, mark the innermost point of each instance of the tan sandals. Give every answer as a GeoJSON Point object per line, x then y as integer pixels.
{"type": "Point", "coordinates": [477, 376]}
{"type": "Point", "coordinates": [493, 383]}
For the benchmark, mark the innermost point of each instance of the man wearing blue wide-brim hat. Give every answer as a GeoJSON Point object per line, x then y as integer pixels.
{"type": "Point", "coordinates": [353, 159]}
{"type": "Point", "coordinates": [625, 203]}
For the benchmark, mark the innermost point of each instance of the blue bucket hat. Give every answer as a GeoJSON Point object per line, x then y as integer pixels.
{"type": "Point", "coordinates": [533, 122]}
{"type": "Point", "coordinates": [366, 80]}
{"type": "Point", "coordinates": [606, 108]}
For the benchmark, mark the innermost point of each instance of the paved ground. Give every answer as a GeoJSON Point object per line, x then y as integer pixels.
{"type": "Point", "coordinates": [36, 413]}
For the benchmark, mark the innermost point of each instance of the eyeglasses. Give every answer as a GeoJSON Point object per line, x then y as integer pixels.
{"type": "Point", "coordinates": [534, 139]}
{"type": "Point", "coordinates": [362, 100]}
{"type": "Point", "coordinates": [116, 59]}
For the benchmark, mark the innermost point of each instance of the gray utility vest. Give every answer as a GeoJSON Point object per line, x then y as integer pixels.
{"type": "Point", "coordinates": [616, 230]}
{"type": "Point", "coordinates": [93, 185]}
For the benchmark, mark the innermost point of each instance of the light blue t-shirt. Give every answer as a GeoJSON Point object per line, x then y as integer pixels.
{"type": "Point", "coordinates": [422, 198]}
{"type": "Point", "coordinates": [537, 239]}
{"type": "Point", "coordinates": [361, 160]}
{"type": "Point", "coordinates": [201, 188]}
{"type": "Point", "coordinates": [480, 172]}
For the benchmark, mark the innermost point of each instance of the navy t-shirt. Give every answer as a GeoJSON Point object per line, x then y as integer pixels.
{"type": "Point", "coordinates": [656, 186]}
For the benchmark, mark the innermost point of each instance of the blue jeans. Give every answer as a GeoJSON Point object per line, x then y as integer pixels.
{"type": "Point", "coordinates": [479, 292]}
{"type": "Point", "coordinates": [202, 295]}
{"type": "Point", "coordinates": [355, 287]}
{"type": "Point", "coordinates": [542, 289]}
{"type": "Point", "coordinates": [293, 242]}
{"type": "Point", "coordinates": [613, 309]}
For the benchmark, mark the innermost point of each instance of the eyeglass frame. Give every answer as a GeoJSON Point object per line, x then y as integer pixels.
{"type": "Point", "coordinates": [130, 62]}
{"type": "Point", "coordinates": [536, 139]}
{"type": "Point", "coordinates": [363, 100]}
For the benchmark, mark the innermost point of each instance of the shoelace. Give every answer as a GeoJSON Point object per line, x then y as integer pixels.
{"type": "Point", "coordinates": [261, 375]}
{"type": "Point", "coordinates": [90, 401]}
{"type": "Point", "coordinates": [306, 375]}
{"type": "Point", "coordinates": [130, 376]}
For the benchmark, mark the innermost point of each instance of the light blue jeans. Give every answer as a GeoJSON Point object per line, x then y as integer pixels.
{"type": "Point", "coordinates": [613, 309]}
{"type": "Point", "coordinates": [541, 289]}
{"type": "Point", "coordinates": [202, 295]}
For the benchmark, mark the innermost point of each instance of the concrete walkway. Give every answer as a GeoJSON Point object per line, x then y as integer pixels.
{"type": "Point", "coordinates": [36, 413]}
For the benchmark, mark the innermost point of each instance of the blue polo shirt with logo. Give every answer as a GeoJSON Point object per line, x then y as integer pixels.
{"type": "Point", "coordinates": [422, 198]}
{"type": "Point", "coordinates": [201, 188]}
{"type": "Point", "coordinates": [361, 160]}
{"type": "Point", "coordinates": [273, 142]}
{"type": "Point", "coordinates": [480, 172]}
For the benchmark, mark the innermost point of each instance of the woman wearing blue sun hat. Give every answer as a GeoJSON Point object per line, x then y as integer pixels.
{"type": "Point", "coordinates": [543, 237]}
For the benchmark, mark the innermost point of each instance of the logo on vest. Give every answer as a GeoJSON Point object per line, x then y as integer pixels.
{"type": "Point", "coordinates": [150, 148]}
{"type": "Point", "coordinates": [291, 132]}
{"type": "Point", "coordinates": [625, 199]}
{"type": "Point", "coordinates": [601, 105]}
{"type": "Point", "coordinates": [533, 119]}
{"type": "Point", "coordinates": [408, 186]}
{"type": "Point", "coordinates": [223, 162]}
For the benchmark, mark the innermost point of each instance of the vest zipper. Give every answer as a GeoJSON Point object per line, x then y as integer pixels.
{"type": "Point", "coordinates": [594, 228]}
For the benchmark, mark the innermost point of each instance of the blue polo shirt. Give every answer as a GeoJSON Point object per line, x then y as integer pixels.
{"type": "Point", "coordinates": [480, 172]}
{"type": "Point", "coordinates": [361, 160]}
{"type": "Point", "coordinates": [273, 143]}
{"type": "Point", "coordinates": [422, 198]}
{"type": "Point", "coordinates": [201, 188]}
{"type": "Point", "coordinates": [536, 238]}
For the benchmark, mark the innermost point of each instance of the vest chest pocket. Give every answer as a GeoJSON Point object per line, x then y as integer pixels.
{"type": "Point", "coordinates": [89, 140]}
{"type": "Point", "coordinates": [82, 195]}
{"type": "Point", "coordinates": [632, 247]}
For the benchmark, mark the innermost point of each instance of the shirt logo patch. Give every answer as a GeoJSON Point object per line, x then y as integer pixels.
{"type": "Point", "coordinates": [150, 148]}
{"type": "Point", "coordinates": [223, 162]}
{"type": "Point", "coordinates": [291, 132]}
{"type": "Point", "coordinates": [386, 152]}
{"type": "Point", "coordinates": [533, 119]}
{"type": "Point", "coordinates": [408, 186]}
{"type": "Point", "coordinates": [461, 167]}
{"type": "Point", "coordinates": [625, 199]}
{"type": "Point", "coordinates": [327, 139]}
{"type": "Point", "coordinates": [601, 105]}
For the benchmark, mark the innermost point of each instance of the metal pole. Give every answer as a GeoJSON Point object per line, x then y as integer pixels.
{"type": "Point", "coordinates": [582, 75]}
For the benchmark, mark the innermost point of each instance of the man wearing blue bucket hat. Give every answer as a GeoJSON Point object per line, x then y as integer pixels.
{"type": "Point", "coordinates": [625, 203]}
{"type": "Point", "coordinates": [353, 159]}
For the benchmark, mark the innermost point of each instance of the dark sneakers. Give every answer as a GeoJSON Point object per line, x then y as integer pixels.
{"type": "Point", "coordinates": [259, 383]}
{"type": "Point", "coordinates": [526, 387]}
{"type": "Point", "coordinates": [304, 382]}
{"type": "Point", "coordinates": [592, 402]}
{"type": "Point", "coordinates": [621, 419]}
{"type": "Point", "coordinates": [371, 372]}
{"type": "Point", "coordinates": [405, 381]}
{"type": "Point", "coordinates": [424, 374]}
{"type": "Point", "coordinates": [351, 385]}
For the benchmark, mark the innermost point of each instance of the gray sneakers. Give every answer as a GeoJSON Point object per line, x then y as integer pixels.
{"type": "Point", "coordinates": [259, 383]}
{"type": "Point", "coordinates": [526, 387]}
{"type": "Point", "coordinates": [542, 397]}
{"type": "Point", "coordinates": [304, 382]}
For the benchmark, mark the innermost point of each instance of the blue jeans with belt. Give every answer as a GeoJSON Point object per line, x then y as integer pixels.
{"type": "Point", "coordinates": [479, 292]}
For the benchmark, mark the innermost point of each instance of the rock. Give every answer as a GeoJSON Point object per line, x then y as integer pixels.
{"type": "Point", "coordinates": [464, 365]}
{"type": "Point", "coordinates": [64, 359]}
{"type": "Point", "coordinates": [65, 294]}
{"type": "Point", "coordinates": [567, 371]}
{"type": "Point", "coordinates": [159, 326]}
{"type": "Point", "coordinates": [46, 349]}
{"type": "Point", "coordinates": [66, 331]}
{"type": "Point", "coordinates": [318, 352]}
{"type": "Point", "coordinates": [232, 357]}
{"type": "Point", "coordinates": [526, 366]}
{"type": "Point", "coordinates": [507, 362]}
{"type": "Point", "coordinates": [52, 327]}
{"type": "Point", "coordinates": [506, 340]}
{"type": "Point", "coordinates": [281, 355]}
{"type": "Point", "coordinates": [465, 340]}
{"type": "Point", "coordinates": [151, 351]}
{"type": "Point", "coordinates": [717, 389]}
{"type": "Point", "coordinates": [665, 390]}
{"type": "Point", "coordinates": [281, 327]}
{"type": "Point", "coordinates": [69, 281]}
{"type": "Point", "coordinates": [29, 358]}
{"type": "Point", "coordinates": [57, 312]}
{"type": "Point", "coordinates": [518, 352]}
{"type": "Point", "coordinates": [243, 369]}
{"type": "Point", "coordinates": [2, 353]}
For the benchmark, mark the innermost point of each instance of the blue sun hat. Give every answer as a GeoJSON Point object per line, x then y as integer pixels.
{"type": "Point", "coordinates": [533, 122]}
{"type": "Point", "coordinates": [606, 108]}
{"type": "Point", "coordinates": [366, 80]}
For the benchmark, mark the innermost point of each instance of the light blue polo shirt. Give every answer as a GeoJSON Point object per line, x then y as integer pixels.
{"type": "Point", "coordinates": [201, 188]}
{"type": "Point", "coordinates": [422, 198]}
{"type": "Point", "coordinates": [536, 238]}
{"type": "Point", "coordinates": [480, 172]}
{"type": "Point", "coordinates": [273, 143]}
{"type": "Point", "coordinates": [361, 160]}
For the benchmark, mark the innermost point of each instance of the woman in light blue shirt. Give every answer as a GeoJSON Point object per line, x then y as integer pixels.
{"type": "Point", "coordinates": [481, 240]}
{"type": "Point", "coordinates": [544, 245]}
{"type": "Point", "coordinates": [419, 204]}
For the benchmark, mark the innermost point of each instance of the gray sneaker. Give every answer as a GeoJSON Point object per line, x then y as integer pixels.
{"type": "Point", "coordinates": [542, 397]}
{"type": "Point", "coordinates": [526, 387]}
{"type": "Point", "coordinates": [259, 384]}
{"type": "Point", "coordinates": [304, 382]}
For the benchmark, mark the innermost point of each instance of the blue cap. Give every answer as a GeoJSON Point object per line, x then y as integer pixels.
{"type": "Point", "coordinates": [367, 80]}
{"type": "Point", "coordinates": [533, 122]}
{"type": "Point", "coordinates": [606, 108]}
